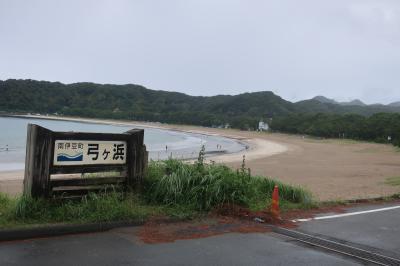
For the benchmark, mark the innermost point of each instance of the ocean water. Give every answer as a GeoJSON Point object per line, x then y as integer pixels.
{"type": "Point", "coordinates": [179, 144]}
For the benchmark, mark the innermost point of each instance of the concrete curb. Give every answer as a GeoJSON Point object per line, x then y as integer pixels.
{"type": "Point", "coordinates": [59, 230]}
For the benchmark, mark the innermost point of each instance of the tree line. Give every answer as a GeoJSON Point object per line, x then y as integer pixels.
{"type": "Point", "coordinates": [135, 102]}
{"type": "Point", "coordinates": [243, 111]}
{"type": "Point", "coordinates": [381, 127]}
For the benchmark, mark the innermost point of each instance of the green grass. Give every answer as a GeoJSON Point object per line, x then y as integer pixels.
{"type": "Point", "coordinates": [171, 188]}
{"type": "Point", "coordinates": [203, 187]}
{"type": "Point", "coordinates": [393, 181]}
{"type": "Point", "coordinates": [103, 207]}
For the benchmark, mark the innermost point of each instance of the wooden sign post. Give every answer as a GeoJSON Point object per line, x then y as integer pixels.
{"type": "Point", "coordinates": [53, 153]}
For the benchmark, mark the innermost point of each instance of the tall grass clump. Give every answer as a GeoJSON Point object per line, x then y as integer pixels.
{"type": "Point", "coordinates": [6, 208]}
{"type": "Point", "coordinates": [101, 207]}
{"type": "Point", "coordinates": [204, 186]}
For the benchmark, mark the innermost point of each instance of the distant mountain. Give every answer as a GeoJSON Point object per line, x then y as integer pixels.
{"type": "Point", "coordinates": [395, 104]}
{"type": "Point", "coordinates": [135, 102]}
{"type": "Point", "coordinates": [353, 103]}
{"type": "Point", "coordinates": [323, 99]}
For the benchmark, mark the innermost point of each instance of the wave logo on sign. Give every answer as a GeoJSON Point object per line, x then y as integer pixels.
{"type": "Point", "coordinates": [63, 157]}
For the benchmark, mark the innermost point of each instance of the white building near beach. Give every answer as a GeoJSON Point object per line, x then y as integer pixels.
{"type": "Point", "coordinates": [262, 126]}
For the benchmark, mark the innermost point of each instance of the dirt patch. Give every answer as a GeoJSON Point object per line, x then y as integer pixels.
{"type": "Point", "coordinates": [225, 219]}
{"type": "Point", "coordinates": [154, 232]}
{"type": "Point", "coordinates": [230, 218]}
{"type": "Point", "coordinates": [233, 219]}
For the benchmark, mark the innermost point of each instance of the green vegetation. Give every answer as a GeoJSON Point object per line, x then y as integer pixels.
{"type": "Point", "coordinates": [244, 111]}
{"type": "Point", "coordinates": [393, 181]}
{"type": "Point", "coordinates": [203, 187]}
{"type": "Point", "coordinates": [112, 206]}
{"type": "Point", "coordinates": [171, 189]}
{"type": "Point", "coordinates": [377, 127]}
{"type": "Point", "coordinates": [134, 102]}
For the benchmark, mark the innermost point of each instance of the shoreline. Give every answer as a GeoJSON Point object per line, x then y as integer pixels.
{"type": "Point", "coordinates": [256, 148]}
{"type": "Point", "coordinates": [155, 125]}
{"type": "Point", "coordinates": [330, 169]}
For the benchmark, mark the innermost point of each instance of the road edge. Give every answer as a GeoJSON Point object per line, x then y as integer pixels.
{"type": "Point", "coordinates": [62, 229]}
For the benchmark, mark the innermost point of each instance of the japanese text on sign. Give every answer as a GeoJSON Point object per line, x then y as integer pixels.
{"type": "Point", "coordinates": [77, 152]}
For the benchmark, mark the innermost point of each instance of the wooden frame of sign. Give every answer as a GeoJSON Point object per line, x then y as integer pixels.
{"type": "Point", "coordinates": [80, 153]}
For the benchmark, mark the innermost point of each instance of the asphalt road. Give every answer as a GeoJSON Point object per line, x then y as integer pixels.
{"type": "Point", "coordinates": [378, 231]}
{"type": "Point", "coordinates": [121, 248]}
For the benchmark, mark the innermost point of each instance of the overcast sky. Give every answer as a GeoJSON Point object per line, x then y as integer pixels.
{"type": "Point", "coordinates": [344, 49]}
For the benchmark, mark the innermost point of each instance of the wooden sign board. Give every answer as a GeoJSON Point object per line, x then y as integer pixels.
{"type": "Point", "coordinates": [89, 152]}
{"type": "Point", "coordinates": [49, 153]}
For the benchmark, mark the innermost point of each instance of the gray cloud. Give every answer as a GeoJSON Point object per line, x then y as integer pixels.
{"type": "Point", "coordinates": [343, 49]}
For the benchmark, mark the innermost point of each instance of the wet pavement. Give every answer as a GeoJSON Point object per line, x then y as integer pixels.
{"type": "Point", "coordinates": [379, 231]}
{"type": "Point", "coordinates": [376, 231]}
{"type": "Point", "coordinates": [121, 247]}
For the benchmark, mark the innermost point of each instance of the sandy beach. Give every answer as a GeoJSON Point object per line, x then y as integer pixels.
{"type": "Point", "coordinates": [330, 169]}
{"type": "Point", "coordinates": [11, 181]}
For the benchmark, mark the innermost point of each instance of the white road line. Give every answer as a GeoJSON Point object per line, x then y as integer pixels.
{"type": "Point", "coordinates": [345, 214]}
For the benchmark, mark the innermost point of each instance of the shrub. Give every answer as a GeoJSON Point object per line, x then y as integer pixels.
{"type": "Point", "coordinates": [173, 182]}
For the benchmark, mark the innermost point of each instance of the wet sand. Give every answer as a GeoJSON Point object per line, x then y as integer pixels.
{"type": "Point", "coordinates": [330, 169]}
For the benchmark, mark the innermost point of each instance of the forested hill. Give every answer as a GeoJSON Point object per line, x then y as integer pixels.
{"type": "Point", "coordinates": [138, 103]}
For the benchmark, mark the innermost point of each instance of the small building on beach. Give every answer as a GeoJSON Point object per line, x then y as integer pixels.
{"type": "Point", "coordinates": [263, 126]}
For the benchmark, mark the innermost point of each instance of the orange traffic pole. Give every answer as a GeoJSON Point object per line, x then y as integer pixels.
{"type": "Point", "coordinates": [275, 203]}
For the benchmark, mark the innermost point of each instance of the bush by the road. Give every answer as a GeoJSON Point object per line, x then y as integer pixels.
{"type": "Point", "coordinates": [203, 186]}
